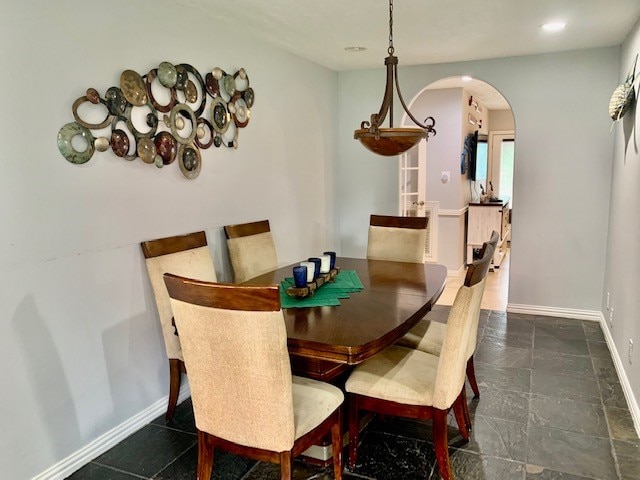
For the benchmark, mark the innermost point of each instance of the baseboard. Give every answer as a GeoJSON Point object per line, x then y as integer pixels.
{"type": "Point", "coordinates": [100, 445]}
{"type": "Point", "coordinates": [456, 273]}
{"type": "Point", "coordinates": [590, 315]}
{"type": "Point", "coordinates": [622, 375]}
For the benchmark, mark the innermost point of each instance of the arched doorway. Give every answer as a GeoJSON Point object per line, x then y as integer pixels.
{"type": "Point", "coordinates": [448, 182]}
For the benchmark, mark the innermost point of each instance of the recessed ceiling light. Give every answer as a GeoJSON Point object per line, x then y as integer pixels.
{"type": "Point", "coordinates": [553, 26]}
{"type": "Point", "coordinates": [355, 49]}
{"type": "Point", "coordinates": [466, 78]}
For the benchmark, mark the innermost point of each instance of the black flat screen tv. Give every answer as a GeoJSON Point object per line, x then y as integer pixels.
{"type": "Point", "coordinates": [478, 160]}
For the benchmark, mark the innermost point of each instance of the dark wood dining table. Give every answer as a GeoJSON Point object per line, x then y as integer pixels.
{"type": "Point", "coordinates": [325, 342]}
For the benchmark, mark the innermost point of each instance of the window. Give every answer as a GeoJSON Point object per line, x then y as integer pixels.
{"type": "Point", "coordinates": [506, 169]}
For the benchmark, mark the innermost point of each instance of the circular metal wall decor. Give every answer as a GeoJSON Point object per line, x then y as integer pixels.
{"type": "Point", "coordinates": [190, 160]}
{"type": "Point", "coordinates": [226, 99]}
{"type": "Point", "coordinates": [66, 134]}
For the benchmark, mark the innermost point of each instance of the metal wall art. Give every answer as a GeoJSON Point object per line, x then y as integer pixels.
{"type": "Point", "coordinates": [170, 113]}
{"type": "Point", "coordinates": [623, 96]}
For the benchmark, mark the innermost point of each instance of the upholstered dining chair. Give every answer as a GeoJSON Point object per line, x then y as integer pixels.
{"type": "Point", "coordinates": [184, 255]}
{"type": "Point", "coordinates": [245, 399]}
{"type": "Point", "coordinates": [493, 241]}
{"type": "Point", "coordinates": [410, 383]}
{"type": "Point", "coordinates": [429, 336]}
{"type": "Point", "coordinates": [251, 249]}
{"type": "Point", "coordinates": [397, 239]}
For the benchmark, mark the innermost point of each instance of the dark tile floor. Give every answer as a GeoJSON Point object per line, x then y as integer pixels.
{"type": "Point", "coordinates": [551, 408]}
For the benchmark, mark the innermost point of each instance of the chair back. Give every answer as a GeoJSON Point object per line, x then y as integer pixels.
{"type": "Point", "coordinates": [234, 342]}
{"type": "Point", "coordinates": [397, 239]}
{"type": "Point", "coordinates": [186, 255]}
{"type": "Point", "coordinates": [251, 249]}
{"type": "Point", "coordinates": [479, 268]}
{"type": "Point", "coordinates": [461, 335]}
{"type": "Point", "coordinates": [493, 241]}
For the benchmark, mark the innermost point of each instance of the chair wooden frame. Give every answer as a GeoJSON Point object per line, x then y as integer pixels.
{"type": "Point", "coordinates": [247, 229]}
{"type": "Point", "coordinates": [418, 412]}
{"type": "Point", "coordinates": [416, 223]}
{"type": "Point", "coordinates": [158, 248]}
{"type": "Point", "coordinates": [251, 298]}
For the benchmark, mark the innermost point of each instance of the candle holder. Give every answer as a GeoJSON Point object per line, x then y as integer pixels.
{"type": "Point", "coordinates": [311, 287]}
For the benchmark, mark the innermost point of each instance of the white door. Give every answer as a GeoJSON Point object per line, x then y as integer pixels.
{"type": "Point", "coordinates": [501, 163]}
{"type": "Point", "coordinates": [413, 193]}
{"type": "Point", "coordinates": [413, 181]}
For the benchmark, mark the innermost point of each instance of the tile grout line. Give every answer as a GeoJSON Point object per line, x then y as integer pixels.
{"type": "Point", "coordinates": [533, 349]}
{"type": "Point", "coordinates": [606, 417]}
{"type": "Point", "coordinates": [174, 460]}
{"type": "Point", "coordinates": [119, 470]}
{"type": "Point", "coordinates": [255, 465]}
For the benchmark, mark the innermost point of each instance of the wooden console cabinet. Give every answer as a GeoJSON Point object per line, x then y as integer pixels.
{"type": "Point", "coordinates": [482, 220]}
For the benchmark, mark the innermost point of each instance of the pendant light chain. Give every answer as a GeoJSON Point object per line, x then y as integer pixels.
{"type": "Point", "coordinates": [390, 50]}
{"type": "Point", "coordinates": [393, 140]}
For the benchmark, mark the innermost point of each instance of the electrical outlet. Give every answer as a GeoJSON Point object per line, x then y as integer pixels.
{"type": "Point", "coordinates": [611, 317]}
{"type": "Point", "coordinates": [608, 299]}
{"type": "Point", "coordinates": [630, 350]}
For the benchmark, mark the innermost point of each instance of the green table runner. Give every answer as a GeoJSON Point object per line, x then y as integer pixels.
{"type": "Point", "coordinates": [346, 282]}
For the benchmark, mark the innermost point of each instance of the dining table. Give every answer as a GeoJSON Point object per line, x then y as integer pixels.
{"type": "Point", "coordinates": [325, 342]}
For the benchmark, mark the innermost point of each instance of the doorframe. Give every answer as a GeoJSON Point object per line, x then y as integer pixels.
{"type": "Point", "coordinates": [493, 158]}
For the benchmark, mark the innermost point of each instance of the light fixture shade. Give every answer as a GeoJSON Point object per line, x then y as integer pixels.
{"type": "Point", "coordinates": [390, 141]}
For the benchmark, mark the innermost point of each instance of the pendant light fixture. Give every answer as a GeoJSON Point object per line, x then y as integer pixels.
{"type": "Point", "coordinates": [392, 141]}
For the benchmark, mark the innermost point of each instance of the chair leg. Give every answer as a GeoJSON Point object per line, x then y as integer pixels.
{"type": "Point", "coordinates": [471, 375]}
{"type": "Point", "coordinates": [458, 411]}
{"type": "Point", "coordinates": [286, 466]}
{"type": "Point", "coordinates": [441, 443]}
{"type": "Point", "coordinates": [175, 376]}
{"type": "Point", "coordinates": [354, 431]}
{"type": "Point", "coordinates": [205, 456]}
{"type": "Point", "coordinates": [336, 446]}
{"type": "Point", "coordinates": [465, 404]}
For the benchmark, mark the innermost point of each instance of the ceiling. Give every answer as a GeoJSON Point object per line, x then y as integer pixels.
{"type": "Point", "coordinates": [481, 91]}
{"type": "Point", "coordinates": [425, 31]}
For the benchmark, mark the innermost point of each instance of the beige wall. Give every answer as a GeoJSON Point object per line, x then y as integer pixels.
{"type": "Point", "coordinates": [501, 120]}
{"type": "Point", "coordinates": [79, 327]}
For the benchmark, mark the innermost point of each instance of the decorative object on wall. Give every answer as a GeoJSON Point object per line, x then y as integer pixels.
{"type": "Point", "coordinates": [392, 141]}
{"type": "Point", "coordinates": [159, 131]}
{"type": "Point", "coordinates": [474, 121]}
{"type": "Point", "coordinates": [475, 104]}
{"type": "Point", "coordinates": [467, 151]}
{"type": "Point", "coordinates": [623, 96]}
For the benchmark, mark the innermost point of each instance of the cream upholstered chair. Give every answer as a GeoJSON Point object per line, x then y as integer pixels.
{"type": "Point", "coordinates": [493, 241]}
{"type": "Point", "coordinates": [397, 239]}
{"type": "Point", "coordinates": [184, 255]}
{"type": "Point", "coordinates": [251, 249]}
{"type": "Point", "coordinates": [428, 336]}
{"type": "Point", "coordinates": [244, 397]}
{"type": "Point", "coordinates": [410, 383]}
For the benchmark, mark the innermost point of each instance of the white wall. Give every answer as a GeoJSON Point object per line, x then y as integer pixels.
{"type": "Point", "coordinates": [562, 169]}
{"type": "Point", "coordinates": [622, 279]}
{"type": "Point", "coordinates": [450, 107]}
{"type": "Point", "coordinates": [80, 339]}
{"type": "Point", "coordinates": [443, 149]}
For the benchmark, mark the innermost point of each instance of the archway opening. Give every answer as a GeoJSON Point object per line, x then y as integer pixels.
{"type": "Point", "coordinates": [462, 178]}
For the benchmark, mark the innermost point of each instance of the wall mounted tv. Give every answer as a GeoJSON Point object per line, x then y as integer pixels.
{"type": "Point", "coordinates": [478, 161]}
